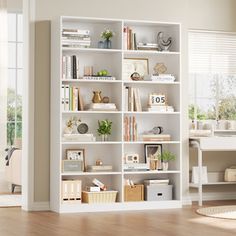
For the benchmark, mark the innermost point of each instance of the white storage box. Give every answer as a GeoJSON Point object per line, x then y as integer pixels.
{"type": "Point", "coordinates": [230, 174]}
{"type": "Point", "coordinates": [195, 177]}
{"type": "Point", "coordinates": [158, 192]}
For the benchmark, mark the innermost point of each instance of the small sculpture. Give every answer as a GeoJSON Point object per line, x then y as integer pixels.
{"type": "Point", "coordinates": [159, 68]}
{"type": "Point", "coordinates": [163, 45]}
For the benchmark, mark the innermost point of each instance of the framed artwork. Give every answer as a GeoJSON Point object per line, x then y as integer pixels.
{"type": "Point", "coordinates": [152, 153]}
{"type": "Point", "coordinates": [75, 159]}
{"type": "Point", "coordinates": [135, 65]}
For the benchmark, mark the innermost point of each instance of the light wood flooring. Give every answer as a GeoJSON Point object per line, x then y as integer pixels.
{"type": "Point", "coordinates": [175, 222]}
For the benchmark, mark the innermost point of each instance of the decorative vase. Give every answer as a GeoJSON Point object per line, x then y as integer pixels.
{"type": "Point", "coordinates": [104, 137]}
{"type": "Point", "coordinates": [107, 44]}
{"type": "Point", "coordinates": [165, 166]}
{"type": "Point", "coordinates": [97, 98]}
{"type": "Point", "coordinates": [68, 130]}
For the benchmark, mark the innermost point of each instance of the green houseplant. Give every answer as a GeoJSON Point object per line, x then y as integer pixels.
{"type": "Point", "coordinates": [167, 156]}
{"type": "Point", "coordinates": [107, 35]}
{"type": "Point", "coordinates": [104, 129]}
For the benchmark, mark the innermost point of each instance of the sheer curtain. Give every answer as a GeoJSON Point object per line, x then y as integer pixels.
{"type": "Point", "coordinates": [3, 80]}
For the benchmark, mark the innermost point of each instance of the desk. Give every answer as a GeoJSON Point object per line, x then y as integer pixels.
{"type": "Point", "coordinates": [210, 144]}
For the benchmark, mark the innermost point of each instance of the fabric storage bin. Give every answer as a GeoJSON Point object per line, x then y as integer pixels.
{"type": "Point", "coordinates": [134, 193]}
{"type": "Point", "coordinates": [158, 192]}
{"type": "Point", "coordinates": [99, 197]}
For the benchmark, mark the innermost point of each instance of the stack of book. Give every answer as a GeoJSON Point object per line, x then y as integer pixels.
{"type": "Point", "coordinates": [147, 46]}
{"type": "Point", "coordinates": [76, 38]}
{"type": "Point", "coordinates": [160, 78]}
{"type": "Point", "coordinates": [71, 99]}
{"type": "Point", "coordinates": [70, 67]}
{"type": "Point", "coordinates": [156, 182]}
{"type": "Point", "coordinates": [102, 107]}
{"type": "Point", "coordinates": [160, 108]}
{"type": "Point", "coordinates": [155, 137]}
{"type": "Point", "coordinates": [79, 137]}
{"type": "Point", "coordinates": [132, 99]}
{"type": "Point", "coordinates": [130, 42]}
{"type": "Point", "coordinates": [102, 168]}
{"type": "Point", "coordinates": [96, 77]}
{"type": "Point", "coordinates": [130, 129]}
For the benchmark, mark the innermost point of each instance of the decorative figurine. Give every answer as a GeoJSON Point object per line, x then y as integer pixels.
{"type": "Point", "coordinates": [97, 98]}
{"type": "Point", "coordinates": [163, 45]}
{"type": "Point", "coordinates": [159, 68]}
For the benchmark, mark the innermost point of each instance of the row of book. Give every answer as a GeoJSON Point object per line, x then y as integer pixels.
{"type": "Point", "coordinates": [76, 38]}
{"type": "Point", "coordinates": [130, 129]}
{"type": "Point", "coordinates": [70, 67]}
{"type": "Point", "coordinates": [132, 99]}
{"type": "Point", "coordinates": [71, 99]}
{"type": "Point", "coordinates": [130, 41]}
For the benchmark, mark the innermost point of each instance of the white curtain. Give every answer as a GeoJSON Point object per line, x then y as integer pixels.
{"type": "Point", "coordinates": [3, 80]}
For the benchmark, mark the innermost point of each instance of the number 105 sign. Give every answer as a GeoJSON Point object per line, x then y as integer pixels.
{"type": "Point", "coordinates": [157, 99]}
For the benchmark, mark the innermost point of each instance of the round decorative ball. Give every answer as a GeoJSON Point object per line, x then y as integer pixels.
{"type": "Point", "coordinates": [105, 99]}
{"type": "Point", "coordinates": [82, 128]}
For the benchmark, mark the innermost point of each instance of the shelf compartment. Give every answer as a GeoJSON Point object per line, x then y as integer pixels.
{"type": "Point", "coordinates": [113, 182]}
{"type": "Point", "coordinates": [173, 177]}
{"type": "Point", "coordinates": [108, 154]}
{"type": "Point", "coordinates": [94, 60]}
{"type": "Point", "coordinates": [170, 125]}
{"type": "Point", "coordinates": [92, 121]}
{"type": "Point", "coordinates": [96, 26]}
{"type": "Point", "coordinates": [172, 94]}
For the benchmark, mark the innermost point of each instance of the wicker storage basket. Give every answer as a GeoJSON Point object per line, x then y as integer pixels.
{"type": "Point", "coordinates": [99, 197]}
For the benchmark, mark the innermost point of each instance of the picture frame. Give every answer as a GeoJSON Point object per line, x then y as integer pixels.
{"type": "Point", "coordinates": [76, 155]}
{"type": "Point", "coordinates": [150, 152]}
{"type": "Point", "coordinates": [135, 65]}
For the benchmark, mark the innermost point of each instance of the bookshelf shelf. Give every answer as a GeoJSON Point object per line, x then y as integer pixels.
{"type": "Point", "coordinates": [90, 173]}
{"type": "Point", "coordinates": [151, 172]}
{"type": "Point", "coordinates": [70, 62]}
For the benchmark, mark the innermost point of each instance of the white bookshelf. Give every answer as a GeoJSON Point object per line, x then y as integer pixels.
{"type": "Point", "coordinates": [113, 151]}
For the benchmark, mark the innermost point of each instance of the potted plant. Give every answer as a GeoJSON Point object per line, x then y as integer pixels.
{"type": "Point", "coordinates": [104, 129]}
{"type": "Point", "coordinates": [107, 35]}
{"type": "Point", "coordinates": [167, 156]}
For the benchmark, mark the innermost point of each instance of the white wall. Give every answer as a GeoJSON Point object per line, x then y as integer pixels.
{"type": "Point", "coordinates": [198, 14]}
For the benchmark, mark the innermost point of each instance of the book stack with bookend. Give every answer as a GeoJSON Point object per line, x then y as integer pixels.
{"type": "Point", "coordinates": [70, 67]}
{"type": "Point", "coordinates": [132, 99]}
{"type": "Point", "coordinates": [71, 98]}
{"type": "Point", "coordinates": [130, 41]}
{"type": "Point", "coordinates": [76, 38]}
{"type": "Point", "coordinates": [130, 129]}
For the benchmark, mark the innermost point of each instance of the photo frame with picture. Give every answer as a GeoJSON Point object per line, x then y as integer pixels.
{"type": "Point", "coordinates": [133, 66]}
{"type": "Point", "coordinates": [152, 156]}
{"type": "Point", "coordinates": [76, 155]}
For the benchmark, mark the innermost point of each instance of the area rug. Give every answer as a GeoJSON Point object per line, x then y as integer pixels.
{"type": "Point", "coordinates": [10, 200]}
{"type": "Point", "coordinates": [225, 212]}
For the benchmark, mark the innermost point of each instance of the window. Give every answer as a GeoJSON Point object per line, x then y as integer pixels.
{"type": "Point", "coordinates": [15, 67]}
{"type": "Point", "coordinates": [212, 75]}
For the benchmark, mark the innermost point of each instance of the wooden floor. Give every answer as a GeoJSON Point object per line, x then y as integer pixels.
{"type": "Point", "coordinates": [184, 222]}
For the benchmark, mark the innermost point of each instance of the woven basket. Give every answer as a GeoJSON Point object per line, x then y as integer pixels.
{"type": "Point", "coordinates": [99, 197]}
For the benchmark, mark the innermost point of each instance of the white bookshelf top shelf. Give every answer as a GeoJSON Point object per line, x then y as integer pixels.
{"type": "Point", "coordinates": [89, 173]}
{"type": "Point", "coordinates": [97, 142]}
{"type": "Point", "coordinates": [93, 50]}
{"type": "Point", "coordinates": [151, 172]}
{"type": "Point", "coordinates": [89, 81]}
{"type": "Point", "coordinates": [192, 185]}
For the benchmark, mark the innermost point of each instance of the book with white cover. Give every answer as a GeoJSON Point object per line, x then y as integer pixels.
{"type": "Point", "coordinates": [156, 181]}
{"type": "Point", "coordinates": [79, 137]}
